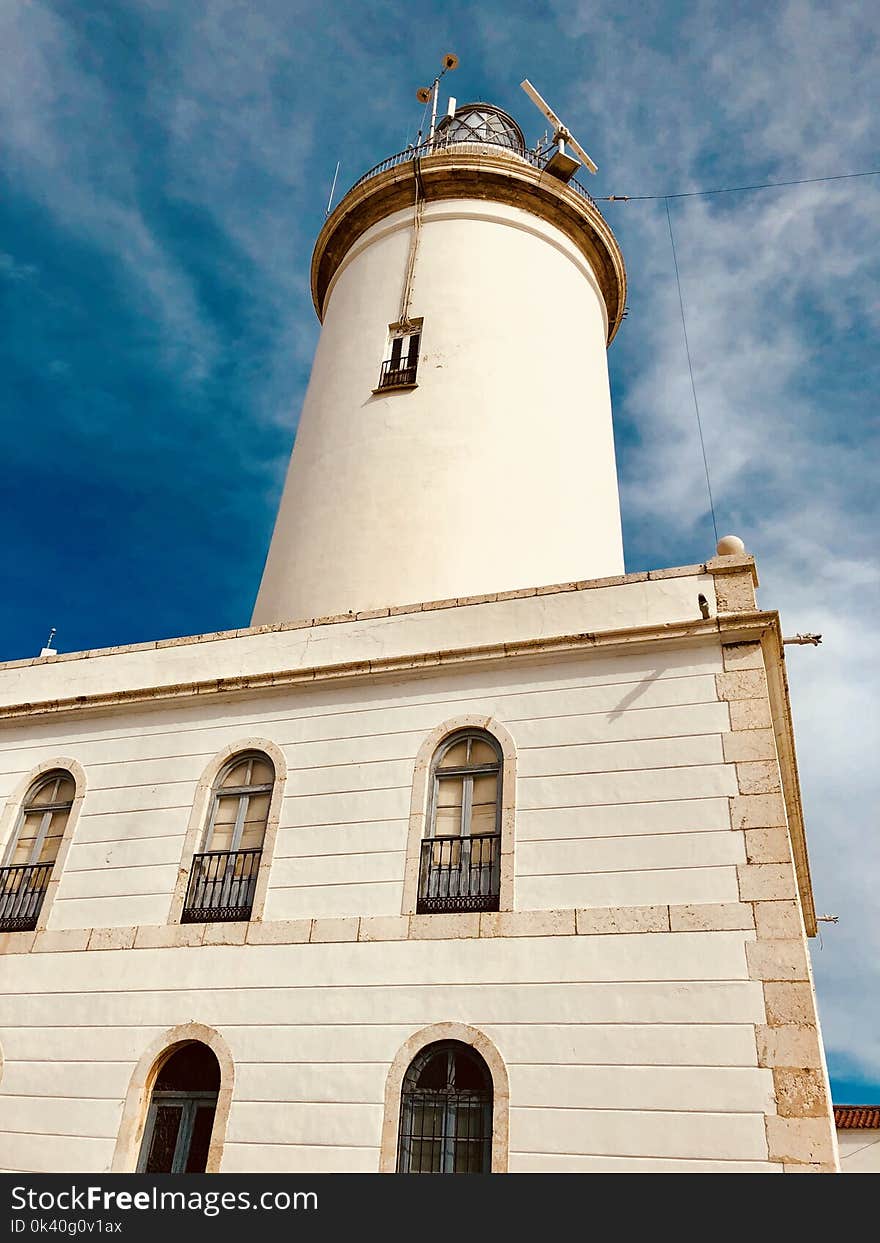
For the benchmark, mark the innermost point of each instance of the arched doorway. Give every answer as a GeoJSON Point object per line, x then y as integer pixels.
{"type": "Point", "coordinates": [180, 1119]}
{"type": "Point", "coordinates": [446, 1112]}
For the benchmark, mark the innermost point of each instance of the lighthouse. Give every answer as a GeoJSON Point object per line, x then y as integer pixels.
{"type": "Point", "coordinates": [472, 854]}
{"type": "Point", "coordinates": [456, 433]}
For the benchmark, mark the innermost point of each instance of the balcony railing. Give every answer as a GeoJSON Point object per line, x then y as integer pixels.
{"type": "Point", "coordinates": [221, 886]}
{"type": "Point", "coordinates": [393, 375]}
{"type": "Point", "coordinates": [22, 889]}
{"type": "Point", "coordinates": [440, 143]}
{"type": "Point", "coordinates": [460, 873]}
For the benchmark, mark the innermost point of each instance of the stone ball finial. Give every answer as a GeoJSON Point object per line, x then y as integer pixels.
{"type": "Point", "coordinates": [730, 546]}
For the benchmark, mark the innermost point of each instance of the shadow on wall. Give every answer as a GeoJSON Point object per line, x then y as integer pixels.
{"type": "Point", "coordinates": [633, 695]}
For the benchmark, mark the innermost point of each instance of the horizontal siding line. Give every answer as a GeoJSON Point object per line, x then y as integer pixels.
{"type": "Point", "coordinates": [651, 1066]}
{"type": "Point", "coordinates": [285, 988]}
{"type": "Point", "coordinates": [51, 1096]}
{"type": "Point", "coordinates": [428, 703]}
{"type": "Point", "coordinates": [694, 798]}
{"type": "Point", "coordinates": [575, 1109]}
{"type": "Point", "coordinates": [338, 824]}
{"type": "Point", "coordinates": [121, 867]}
{"type": "Point", "coordinates": [633, 1109]}
{"type": "Point", "coordinates": [148, 1027]}
{"type": "Point", "coordinates": [324, 825]}
{"type": "Point", "coordinates": [683, 867]}
{"type": "Point", "coordinates": [135, 811]}
{"type": "Point", "coordinates": [648, 1066]}
{"type": "Point", "coordinates": [292, 1100]}
{"type": "Point", "coordinates": [342, 854]}
{"type": "Point", "coordinates": [613, 837]}
{"type": "Point", "coordinates": [150, 782]}
{"type": "Point", "coordinates": [336, 884]}
{"type": "Point", "coordinates": [619, 742]}
{"type": "Point", "coordinates": [259, 1143]}
{"type": "Point", "coordinates": [361, 791]}
{"type": "Point", "coordinates": [520, 811]}
{"type": "Point", "coordinates": [613, 772]}
{"type": "Point", "coordinates": [150, 837]}
{"type": "Point", "coordinates": [628, 1156]}
{"type": "Point", "coordinates": [101, 1139]}
{"type": "Point", "coordinates": [104, 897]}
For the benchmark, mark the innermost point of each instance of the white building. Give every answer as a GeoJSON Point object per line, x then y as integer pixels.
{"type": "Point", "coordinates": [858, 1137]}
{"type": "Point", "coordinates": [472, 852]}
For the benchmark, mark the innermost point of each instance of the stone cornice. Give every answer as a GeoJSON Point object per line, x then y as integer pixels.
{"type": "Point", "coordinates": [730, 565]}
{"type": "Point", "coordinates": [487, 173]}
{"type": "Point", "coordinates": [737, 625]}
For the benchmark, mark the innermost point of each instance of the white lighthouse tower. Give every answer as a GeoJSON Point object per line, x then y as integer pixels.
{"type": "Point", "coordinates": [456, 434]}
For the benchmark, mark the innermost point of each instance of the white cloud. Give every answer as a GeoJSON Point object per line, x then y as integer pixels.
{"type": "Point", "coordinates": [776, 286]}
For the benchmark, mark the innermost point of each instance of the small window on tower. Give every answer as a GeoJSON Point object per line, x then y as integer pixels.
{"type": "Point", "coordinates": [400, 367]}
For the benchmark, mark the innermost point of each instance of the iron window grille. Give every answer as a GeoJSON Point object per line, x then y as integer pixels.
{"type": "Point", "coordinates": [221, 886]}
{"type": "Point", "coordinates": [460, 864]}
{"type": "Point", "coordinates": [22, 889]}
{"type": "Point", "coordinates": [446, 1113]}
{"type": "Point", "coordinates": [399, 371]}
{"type": "Point", "coordinates": [33, 849]}
{"type": "Point", "coordinates": [223, 877]}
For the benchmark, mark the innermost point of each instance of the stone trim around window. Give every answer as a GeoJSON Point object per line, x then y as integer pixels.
{"type": "Point", "coordinates": [420, 799]}
{"type": "Point", "coordinates": [394, 1085]}
{"type": "Point", "coordinates": [198, 819]}
{"type": "Point", "coordinates": [140, 1089]}
{"type": "Point", "coordinates": [10, 816]}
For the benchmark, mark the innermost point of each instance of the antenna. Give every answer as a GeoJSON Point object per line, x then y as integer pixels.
{"type": "Point", "coordinates": [425, 93]}
{"type": "Point", "coordinates": [332, 189]}
{"type": "Point", "coordinates": [49, 650]}
{"type": "Point", "coordinates": [560, 164]}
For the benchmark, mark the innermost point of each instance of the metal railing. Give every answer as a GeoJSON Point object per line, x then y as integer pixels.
{"type": "Point", "coordinates": [460, 873]}
{"type": "Point", "coordinates": [22, 889]}
{"type": "Point", "coordinates": [221, 886]}
{"type": "Point", "coordinates": [440, 144]}
{"type": "Point", "coordinates": [393, 375]}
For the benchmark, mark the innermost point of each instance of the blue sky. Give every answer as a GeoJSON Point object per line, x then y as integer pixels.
{"type": "Point", "coordinates": [166, 169]}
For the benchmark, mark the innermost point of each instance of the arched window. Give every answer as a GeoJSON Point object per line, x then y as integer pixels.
{"type": "Point", "coordinates": [446, 1112]}
{"type": "Point", "coordinates": [33, 849]}
{"type": "Point", "coordinates": [224, 875]}
{"type": "Point", "coordinates": [181, 1114]}
{"type": "Point", "coordinates": [461, 856]}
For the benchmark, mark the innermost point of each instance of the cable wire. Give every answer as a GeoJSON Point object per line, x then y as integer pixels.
{"type": "Point", "coordinates": [687, 349]}
{"type": "Point", "coordinates": [765, 185]}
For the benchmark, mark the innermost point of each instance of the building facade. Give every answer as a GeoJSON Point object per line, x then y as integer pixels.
{"type": "Point", "coordinates": [858, 1138]}
{"type": "Point", "coordinates": [511, 877]}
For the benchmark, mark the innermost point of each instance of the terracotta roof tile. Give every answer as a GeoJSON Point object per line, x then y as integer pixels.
{"type": "Point", "coordinates": [856, 1117]}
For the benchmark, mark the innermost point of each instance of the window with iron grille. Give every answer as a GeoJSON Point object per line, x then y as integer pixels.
{"type": "Point", "coordinates": [401, 366]}
{"type": "Point", "coordinates": [223, 877]}
{"type": "Point", "coordinates": [446, 1112]}
{"type": "Point", "coordinates": [460, 866]}
{"type": "Point", "coordinates": [33, 849]}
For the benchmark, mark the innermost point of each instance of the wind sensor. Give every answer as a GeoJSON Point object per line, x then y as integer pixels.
{"type": "Point", "coordinates": [426, 93]}
{"type": "Point", "coordinates": [560, 164]}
